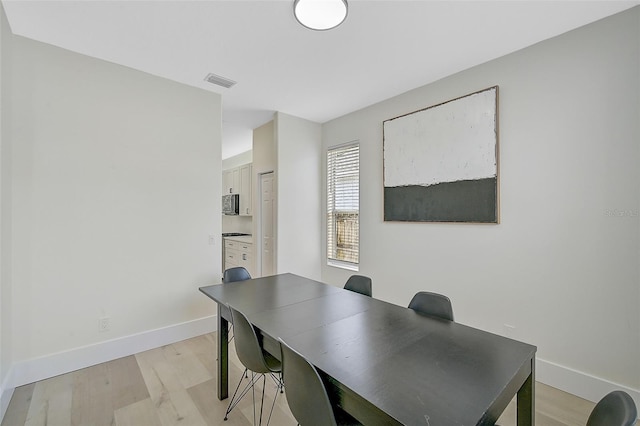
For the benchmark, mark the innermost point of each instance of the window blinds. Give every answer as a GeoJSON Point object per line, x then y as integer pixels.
{"type": "Point", "coordinates": [343, 203]}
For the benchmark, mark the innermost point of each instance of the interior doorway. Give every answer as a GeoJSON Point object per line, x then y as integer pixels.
{"type": "Point", "coordinates": [267, 234]}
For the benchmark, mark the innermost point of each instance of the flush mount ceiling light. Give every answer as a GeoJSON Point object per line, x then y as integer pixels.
{"type": "Point", "coordinates": [320, 15]}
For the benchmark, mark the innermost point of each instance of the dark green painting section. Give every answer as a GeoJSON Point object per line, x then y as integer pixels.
{"type": "Point", "coordinates": [463, 201]}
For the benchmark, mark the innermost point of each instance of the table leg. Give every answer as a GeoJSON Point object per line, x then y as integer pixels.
{"type": "Point", "coordinates": [526, 406]}
{"type": "Point", "coordinates": [223, 356]}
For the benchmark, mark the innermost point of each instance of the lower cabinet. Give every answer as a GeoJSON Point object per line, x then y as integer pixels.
{"type": "Point", "coordinates": [238, 253]}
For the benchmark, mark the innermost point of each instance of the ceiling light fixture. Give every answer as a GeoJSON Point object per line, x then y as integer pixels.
{"type": "Point", "coordinates": [320, 15]}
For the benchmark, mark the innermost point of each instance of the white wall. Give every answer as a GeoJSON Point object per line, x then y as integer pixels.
{"type": "Point", "coordinates": [299, 162]}
{"type": "Point", "coordinates": [116, 187]}
{"type": "Point", "coordinates": [562, 267]}
{"type": "Point", "coordinates": [5, 295]}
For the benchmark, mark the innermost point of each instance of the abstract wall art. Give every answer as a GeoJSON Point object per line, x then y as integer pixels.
{"type": "Point", "coordinates": [441, 162]}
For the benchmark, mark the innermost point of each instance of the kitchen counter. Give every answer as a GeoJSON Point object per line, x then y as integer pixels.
{"type": "Point", "coordinates": [241, 238]}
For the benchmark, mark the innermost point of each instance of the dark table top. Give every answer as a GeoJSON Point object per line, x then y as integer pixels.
{"type": "Point", "coordinates": [415, 369]}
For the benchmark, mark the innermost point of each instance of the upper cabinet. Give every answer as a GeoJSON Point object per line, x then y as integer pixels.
{"type": "Point", "coordinates": [231, 181]}
{"type": "Point", "coordinates": [245, 190]}
{"type": "Point", "coordinates": [238, 181]}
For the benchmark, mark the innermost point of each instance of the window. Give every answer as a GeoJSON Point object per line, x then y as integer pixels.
{"type": "Point", "coordinates": [343, 205]}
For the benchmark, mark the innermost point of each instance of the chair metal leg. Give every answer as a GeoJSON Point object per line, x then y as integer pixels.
{"type": "Point", "coordinates": [231, 402]}
{"type": "Point", "coordinates": [273, 404]}
{"type": "Point", "coordinates": [250, 386]}
{"type": "Point", "coordinates": [253, 399]}
{"type": "Point", "coordinates": [264, 382]}
{"type": "Point", "coordinates": [278, 381]}
{"type": "Point", "coordinates": [235, 400]}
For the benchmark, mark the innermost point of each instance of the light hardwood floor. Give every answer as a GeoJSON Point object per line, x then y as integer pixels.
{"type": "Point", "coordinates": [176, 385]}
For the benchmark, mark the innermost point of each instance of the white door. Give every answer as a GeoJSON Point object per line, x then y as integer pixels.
{"type": "Point", "coordinates": [267, 224]}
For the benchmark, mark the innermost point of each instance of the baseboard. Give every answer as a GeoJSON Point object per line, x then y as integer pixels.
{"type": "Point", "coordinates": [579, 383]}
{"type": "Point", "coordinates": [33, 370]}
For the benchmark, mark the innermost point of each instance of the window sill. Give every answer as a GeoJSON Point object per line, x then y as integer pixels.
{"type": "Point", "coordinates": [343, 265]}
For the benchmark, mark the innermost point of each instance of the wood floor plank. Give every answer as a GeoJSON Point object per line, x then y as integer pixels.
{"type": "Point", "coordinates": [177, 408]}
{"type": "Point", "coordinates": [211, 411]}
{"type": "Point", "coordinates": [159, 375]}
{"type": "Point", "coordinates": [101, 389]}
{"type": "Point", "coordinates": [168, 371]}
{"type": "Point", "coordinates": [51, 402]}
{"type": "Point", "coordinates": [92, 397]}
{"type": "Point", "coordinates": [544, 419]}
{"type": "Point", "coordinates": [187, 364]}
{"type": "Point", "coordinates": [138, 414]}
{"type": "Point", "coordinates": [127, 382]}
{"type": "Point", "coordinates": [19, 405]}
{"type": "Point", "coordinates": [204, 347]}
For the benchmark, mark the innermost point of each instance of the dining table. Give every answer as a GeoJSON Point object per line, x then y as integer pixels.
{"type": "Point", "coordinates": [382, 363]}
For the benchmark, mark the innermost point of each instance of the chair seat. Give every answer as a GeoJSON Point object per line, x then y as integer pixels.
{"type": "Point", "coordinates": [272, 362]}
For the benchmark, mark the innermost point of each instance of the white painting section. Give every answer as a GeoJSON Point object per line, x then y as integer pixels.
{"type": "Point", "coordinates": [450, 142]}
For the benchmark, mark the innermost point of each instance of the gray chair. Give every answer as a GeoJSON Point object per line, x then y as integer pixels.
{"type": "Point", "coordinates": [359, 284]}
{"type": "Point", "coordinates": [255, 360]}
{"type": "Point", "coordinates": [614, 409]}
{"type": "Point", "coordinates": [432, 304]}
{"type": "Point", "coordinates": [306, 395]}
{"type": "Point", "coordinates": [235, 274]}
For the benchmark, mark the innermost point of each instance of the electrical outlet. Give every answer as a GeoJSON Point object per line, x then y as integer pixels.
{"type": "Point", "coordinates": [104, 324]}
{"type": "Point", "coordinates": [212, 240]}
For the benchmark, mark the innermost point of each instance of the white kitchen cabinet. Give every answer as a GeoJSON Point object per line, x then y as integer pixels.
{"type": "Point", "coordinates": [238, 253]}
{"type": "Point", "coordinates": [238, 181]}
{"type": "Point", "coordinates": [245, 190]}
{"type": "Point", "coordinates": [231, 181]}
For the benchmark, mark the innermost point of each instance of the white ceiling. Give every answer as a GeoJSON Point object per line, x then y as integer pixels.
{"type": "Point", "coordinates": [384, 48]}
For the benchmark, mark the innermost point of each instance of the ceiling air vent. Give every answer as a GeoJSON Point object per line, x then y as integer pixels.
{"type": "Point", "coordinates": [220, 81]}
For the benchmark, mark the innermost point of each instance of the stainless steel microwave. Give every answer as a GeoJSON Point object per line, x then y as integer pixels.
{"type": "Point", "coordinates": [231, 204]}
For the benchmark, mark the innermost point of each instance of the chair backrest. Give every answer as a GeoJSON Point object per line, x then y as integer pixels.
{"type": "Point", "coordinates": [237, 273]}
{"type": "Point", "coordinates": [614, 409]}
{"type": "Point", "coordinates": [247, 344]}
{"type": "Point", "coordinates": [432, 304]}
{"type": "Point", "coordinates": [306, 394]}
{"type": "Point", "coordinates": [359, 284]}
